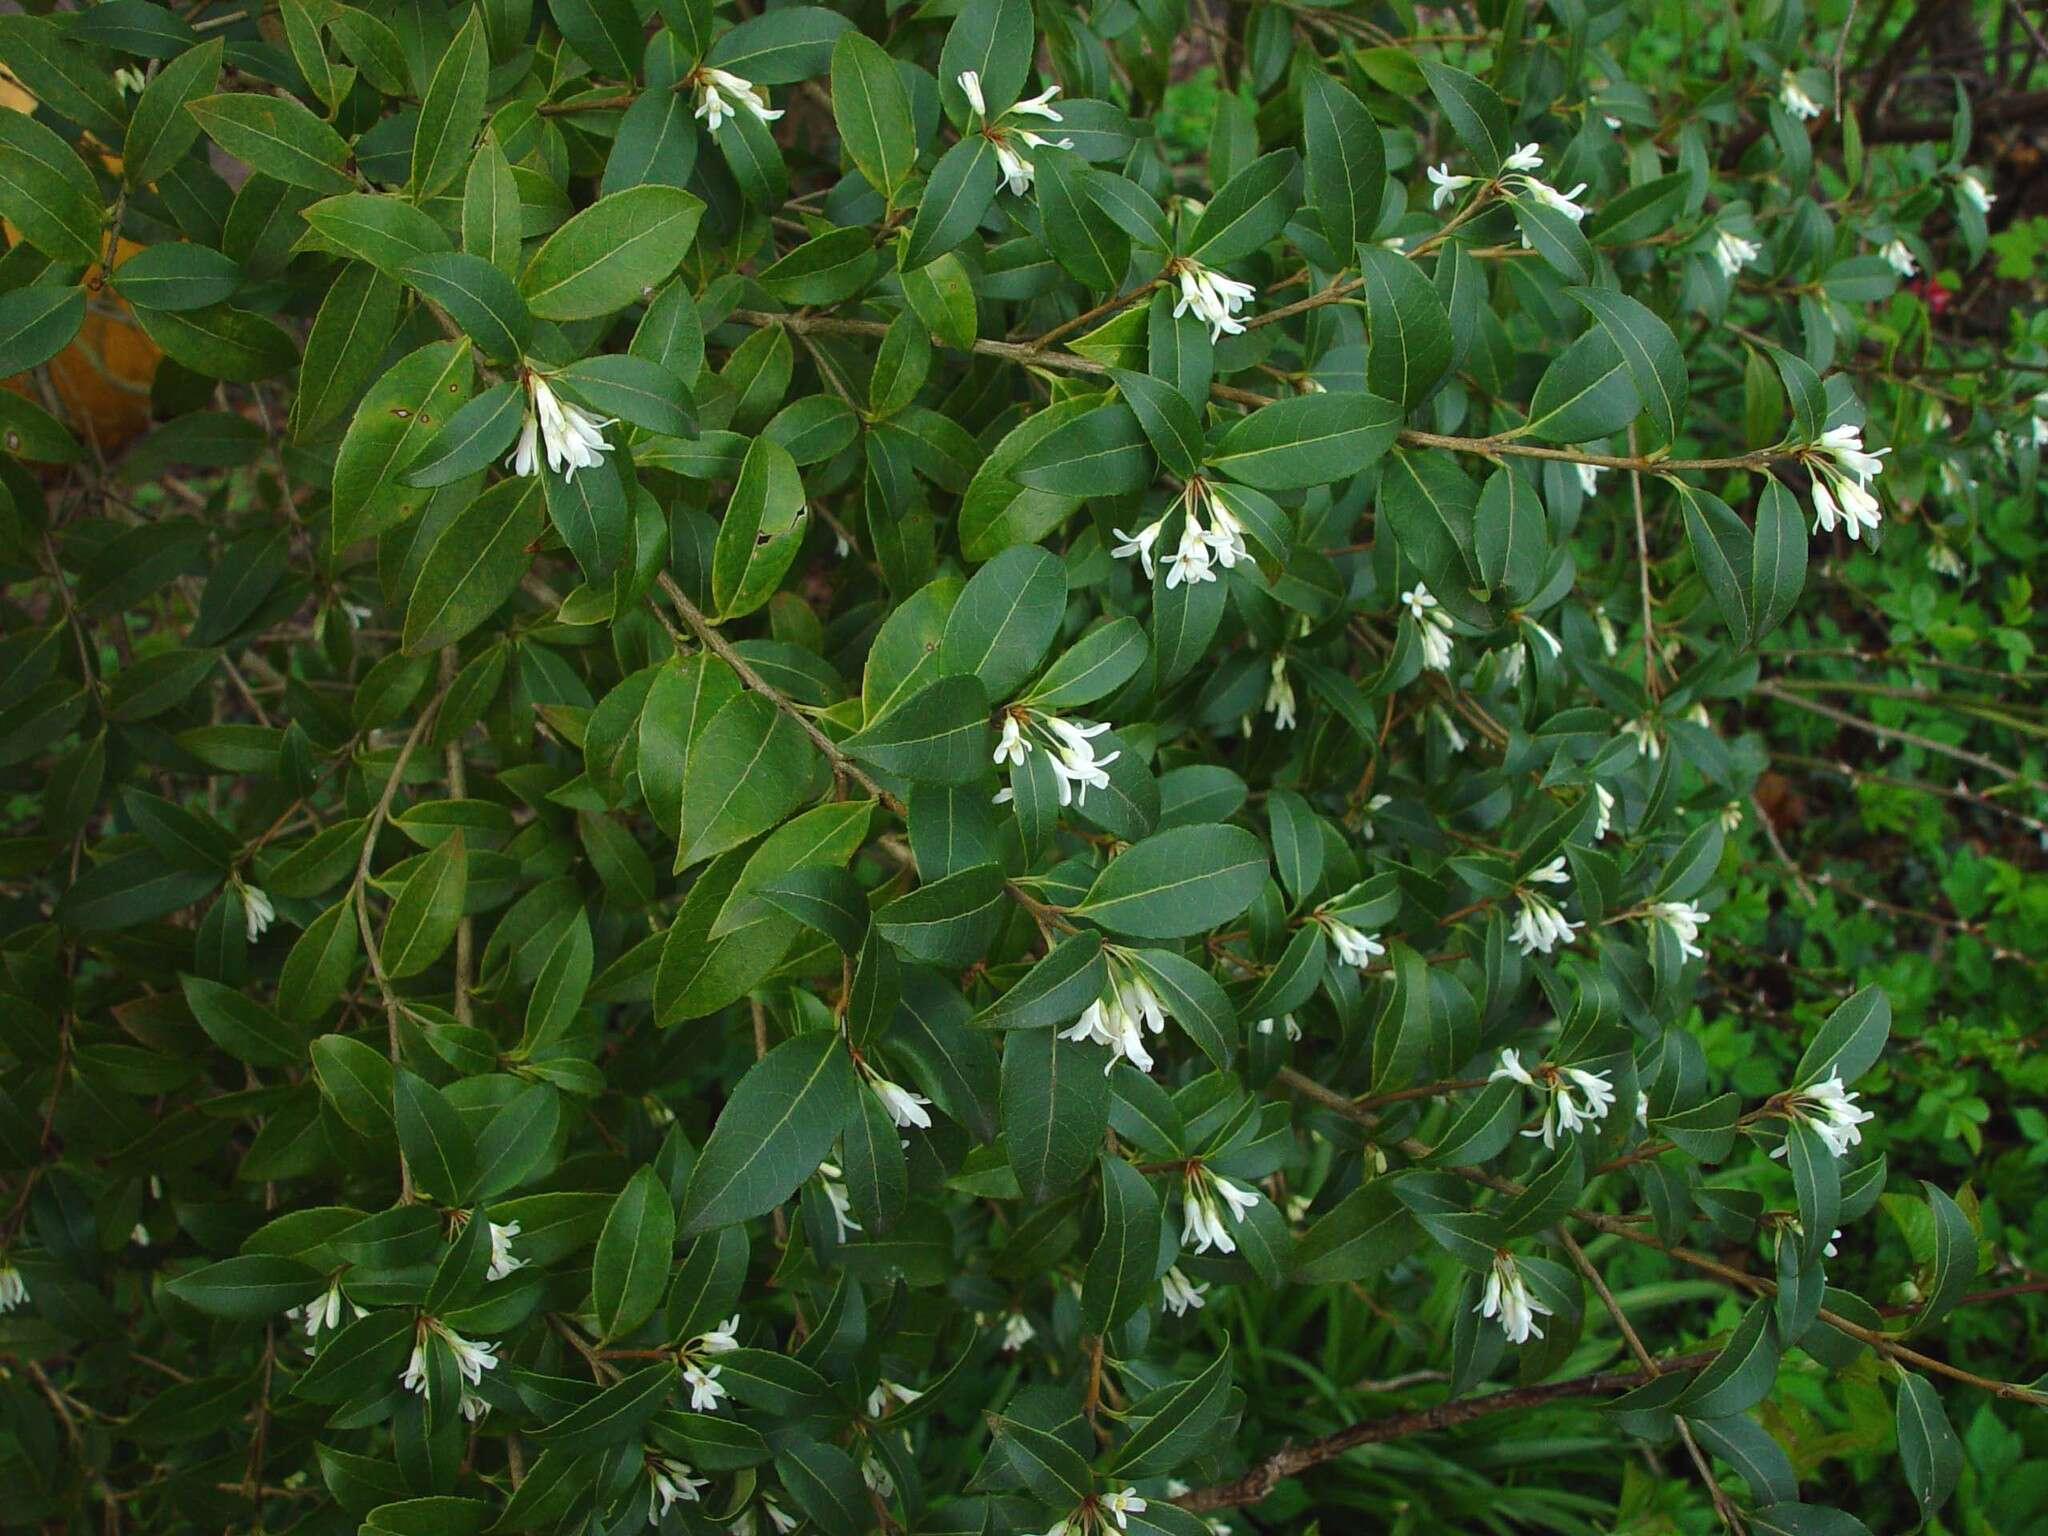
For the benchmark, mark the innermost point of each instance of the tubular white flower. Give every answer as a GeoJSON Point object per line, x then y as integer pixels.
{"type": "Point", "coordinates": [1605, 822]}
{"type": "Point", "coordinates": [472, 1359]}
{"type": "Point", "coordinates": [1139, 544]}
{"type": "Point", "coordinates": [130, 81]}
{"type": "Point", "coordinates": [1540, 926]}
{"type": "Point", "coordinates": [1013, 746]}
{"type": "Point", "coordinates": [1202, 1221]}
{"type": "Point", "coordinates": [1214, 298]}
{"type": "Point", "coordinates": [13, 1288]}
{"type": "Point", "coordinates": [1507, 1297]}
{"type": "Point", "coordinates": [1792, 96]}
{"type": "Point", "coordinates": [1732, 253]}
{"type": "Point", "coordinates": [1453, 737]}
{"type": "Point", "coordinates": [670, 1482]}
{"type": "Point", "coordinates": [1589, 483]}
{"type": "Point", "coordinates": [1610, 641]}
{"type": "Point", "coordinates": [1432, 625]}
{"type": "Point", "coordinates": [1975, 191]}
{"type": "Point", "coordinates": [1354, 946]}
{"type": "Point", "coordinates": [257, 912]}
{"type": "Point", "coordinates": [1647, 739]}
{"type": "Point", "coordinates": [1685, 921]}
{"type": "Point", "coordinates": [323, 1311]}
{"type": "Point", "coordinates": [1280, 696]}
{"type": "Point", "coordinates": [1017, 1332]}
{"type": "Point", "coordinates": [885, 1390]}
{"type": "Point", "coordinates": [1372, 807]}
{"type": "Point", "coordinates": [1944, 561]}
{"type": "Point", "coordinates": [1900, 257]}
{"type": "Point", "coordinates": [524, 459]}
{"type": "Point", "coordinates": [572, 438]}
{"type": "Point", "coordinates": [705, 1388]}
{"type": "Point", "coordinates": [473, 1407]}
{"type": "Point", "coordinates": [1511, 1067]}
{"type": "Point", "coordinates": [1447, 186]}
{"type": "Point", "coordinates": [1566, 203]}
{"type": "Point", "coordinates": [503, 1260]}
{"type": "Point", "coordinates": [721, 94]}
{"type": "Point", "coordinates": [1287, 1022]}
{"type": "Point", "coordinates": [1844, 445]}
{"type": "Point", "coordinates": [1598, 1087]}
{"type": "Point", "coordinates": [720, 1340]}
{"type": "Point", "coordinates": [1073, 756]}
{"type": "Point", "coordinates": [783, 1521]}
{"type": "Point", "coordinates": [1016, 169]}
{"type": "Point", "coordinates": [1191, 560]}
{"type": "Point", "coordinates": [835, 1195]}
{"type": "Point", "coordinates": [1040, 105]}
{"type": "Point", "coordinates": [1121, 1504]}
{"type": "Point", "coordinates": [1527, 157]}
{"type": "Point", "coordinates": [905, 1108]}
{"type": "Point", "coordinates": [1832, 1111]}
{"type": "Point", "coordinates": [1731, 816]}
{"type": "Point", "coordinates": [1553, 873]}
{"type": "Point", "coordinates": [970, 84]}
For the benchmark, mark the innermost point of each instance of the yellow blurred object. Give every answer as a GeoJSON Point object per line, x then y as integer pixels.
{"type": "Point", "coordinates": [102, 378]}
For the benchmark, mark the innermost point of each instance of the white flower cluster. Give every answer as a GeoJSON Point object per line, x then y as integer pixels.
{"type": "Point", "coordinates": [1433, 625]}
{"type": "Point", "coordinates": [1831, 1110]}
{"type": "Point", "coordinates": [833, 1181]}
{"type": "Point", "coordinates": [1972, 189]}
{"type": "Point", "coordinates": [1561, 1112]}
{"type": "Point", "coordinates": [471, 1359]}
{"type": "Point", "coordinates": [1068, 746]}
{"type": "Point", "coordinates": [1685, 922]}
{"type": "Point", "coordinates": [13, 1288]}
{"type": "Point", "coordinates": [1210, 535]}
{"type": "Point", "coordinates": [1119, 1017]}
{"type": "Point", "coordinates": [670, 1482]}
{"type": "Point", "coordinates": [1732, 253]}
{"type": "Point", "coordinates": [721, 94]}
{"type": "Point", "coordinates": [1355, 947]}
{"type": "Point", "coordinates": [1280, 699]}
{"type": "Point", "coordinates": [1842, 472]}
{"type": "Point", "coordinates": [1540, 926]}
{"type": "Point", "coordinates": [1792, 96]}
{"type": "Point", "coordinates": [503, 1260]}
{"type": "Point", "coordinates": [1900, 258]}
{"type": "Point", "coordinates": [905, 1108]}
{"type": "Point", "coordinates": [323, 1311]}
{"type": "Point", "coordinates": [1514, 175]}
{"type": "Point", "coordinates": [1204, 1197]}
{"type": "Point", "coordinates": [1017, 171]}
{"type": "Point", "coordinates": [1179, 1294]}
{"type": "Point", "coordinates": [1215, 299]}
{"type": "Point", "coordinates": [570, 436]}
{"type": "Point", "coordinates": [1507, 1298]}
{"type": "Point", "coordinates": [879, 1399]}
{"type": "Point", "coordinates": [257, 912]}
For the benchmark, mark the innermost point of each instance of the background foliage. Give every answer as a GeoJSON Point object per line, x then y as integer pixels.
{"type": "Point", "coordinates": [568, 962]}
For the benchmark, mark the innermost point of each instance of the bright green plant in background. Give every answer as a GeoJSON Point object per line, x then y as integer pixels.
{"type": "Point", "coordinates": [806, 784]}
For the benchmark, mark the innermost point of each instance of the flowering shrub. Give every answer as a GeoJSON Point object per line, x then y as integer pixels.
{"type": "Point", "coordinates": [804, 784]}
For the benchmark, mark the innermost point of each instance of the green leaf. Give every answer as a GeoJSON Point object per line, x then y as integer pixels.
{"type": "Point", "coordinates": [611, 254]}
{"type": "Point", "coordinates": [1816, 1188]}
{"type": "Point", "coordinates": [1307, 440]}
{"type": "Point", "coordinates": [277, 136]}
{"type": "Point", "coordinates": [1929, 1451]}
{"type": "Point", "coordinates": [1005, 620]}
{"type": "Point", "coordinates": [220, 342]}
{"type": "Point", "coordinates": [36, 324]}
{"type": "Point", "coordinates": [1055, 1106]}
{"type": "Point", "coordinates": [161, 130]}
{"type": "Point", "coordinates": [473, 439]}
{"type": "Point", "coordinates": [1247, 210]}
{"type": "Point", "coordinates": [256, 1285]}
{"type": "Point", "coordinates": [474, 565]}
{"type": "Point", "coordinates": [1102, 453]}
{"type": "Point", "coordinates": [1082, 237]}
{"type": "Point", "coordinates": [1168, 1424]}
{"type": "Point", "coordinates": [452, 109]}
{"type": "Point", "coordinates": [629, 1271]}
{"type": "Point", "coordinates": [1098, 664]}
{"type": "Point", "coordinates": [438, 1148]}
{"type": "Point", "coordinates": [47, 193]}
{"type": "Point", "coordinates": [1346, 161]}
{"type": "Point", "coordinates": [762, 528]}
{"type": "Point", "coordinates": [948, 921]}
{"type": "Point", "coordinates": [615, 1416]}
{"type": "Point", "coordinates": [400, 415]}
{"type": "Point", "coordinates": [833, 267]}
{"type": "Point", "coordinates": [1053, 1470]}
{"type": "Point", "coordinates": [1721, 553]}
{"type": "Point", "coordinates": [937, 736]}
{"type": "Point", "coordinates": [1432, 509]}
{"type": "Point", "coordinates": [1650, 351]}
{"type": "Point", "coordinates": [1510, 535]}
{"type": "Point", "coordinates": [1588, 392]}
{"type": "Point", "coordinates": [1410, 346]}
{"type": "Point", "coordinates": [956, 195]}
{"type": "Point", "coordinates": [176, 277]}
{"type": "Point", "coordinates": [782, 46]}
{"type": "Point", "coordinates": [871, 108]}
{"type": "Point", "coordinates": [995, 39]}
{"type": "Point", "coordinates": [1054, 991]}
{"type": "Point", "coordinates": [426, 910]}
{"type": "Point", "coordinates": [749, 768]}
{"type": "Point", "coordinates": [478, 297]}
{"type": "Point", "coordinates": [1171, 424]}
{"type": "Point", "coordinates": [1955, 1255]}
{"type": "Point", "coordinates": [778, 1125]}
{"type": "Point", "coordinates": [1177, 883]}
{"type": "Point", "coordinates": [1475, 113]}
{"type": "Point", "coordinates": [1737, 1378]}
{"type": "Point", "coordinates": [589, 510]}
{"type": "Point", "coordinates": [491, 212]}
{"type": "Point", "coordinates": [1778, 563]}
{"type": "Point", "coordinates": [1363, 1235]}
{"type": "Point", "coordinates": [1849, 1043]}
{"type": "Point", "coordinates": [240, 1025]}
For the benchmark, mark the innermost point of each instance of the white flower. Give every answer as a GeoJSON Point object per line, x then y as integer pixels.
{"type": "Point", "coordinates": [876, 1476]}
{"type": "Point", "coordinates": [1642, 1109]}
{"type": "Point", "coordinates": [1202, 1217]}
{"type": "Point", "coordinates": [1553, 873]}
{"type": "Point", "coordinates": [1280, 696]}
{"type": "Point", "coordinates": [1828, 1248]}
{"type": "Point", "coordinates": [1354, 946]}
{"type": "Point", "coordinates": [1848, 503]}
{"type": "Point", "coordinates": [1214, 298]}
{"type": "Point", "coordinates": [1017, 171]}
{"type": "Point", "coordinates": [1589, 483]}
{"type": "Point", "coordinates": [572, 438]}
{"type": "Point", "coordinates": [130, 81]}
{"type": "Point", "coordinates": [1511, 1067]}
{"type": "Point", "coordinates": [1944, 561]}
{"type": "Point", "coordinates": [1432, 625]}
{"type": "Point", "coordinates": [1527, 157]}
{"type": "Point", "coordinates": [1732, 253]}
{"type": "Point", "coordinates": [1540, 926]}
{"type": "Point", "coordinates": [1973, 189]}
{"type": "Point", "coordinates": [1039, 105]}
{"type": "Point", "coordinates": [1119, 1018]}
{"type": "Point", "coordinates": [473, 1407]}
{"type": "Point", "coordinates": [471, 1358]}
{"type": "Point", "coordinates": [1565, 203]}
{"type": "Point", "coordinates": [1605, 822]}
{"type": "Point", "coordinates": [503, 1261]}
{"type": "Point", "coordinates": [783, 1521]}
{"type": "Point", "coordinates": [670, 1482]}
{"type": "Point", "coordinates": [907, 1109]}
{"type": "Point", "coordinates": [1646, 737]}
{"type": "Point", "coordinates": [836, 1196]}
{"type": "Point", "coordinates": [722, 94]}
{"type": "Point", "coordinates": [1844, 445]}
{"type": "Point", "coordinates": [1731, 816]}
{"type": "Point", "coordinates": [357, 614]}
{"type": "Point", "coordinates": [1073, 757]}
{"type": "Point", "coordinates": [1017, 1332]}
{"type": "Point", "coordinates": [1900, 258]}
{"type": "Point", "coordinates": [1179, 1293]}
{"type": "Point", "coordinates": [1610, 642]}
{"type": "Point", "coordinates": [1012, 747]}
{"type": "Point", "coordinates": [1685, 921]}
{"type": "Point", "coordinates": [970, 83]}
{"type": "Point", "coordinates": [323, 1311]}
{"type": "Point", "coordinates": [1561, 1111]}
{"type": "Point", "coordinates": [1286, 1021]}
{"type": "Point", "coordinates": [1376, 803]}
{"type": "Point", "coordinates": [1121, 1504]}
{"type": "Point", "coordinates": [1139, 544]}
{"type": "Point", "coordinates": [1831, 1111]}
{"type": "Point", "coordinates": [720, 1340]}
{"type": "Point", "coordinates": [705, 1387]}
{"type": "Point", "coordinates": [1507, 1297]}
{"type": "Point", "coordinates": [1792, 95]}
{"type": "Point", "coordinates": [257, 912]}
{"type": "Point", "coordinates": [878, 1400]}
{"type": "Point", "coordinates": [1447, 186]}
{"type": "Point", "coordinates": [524, 458]}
